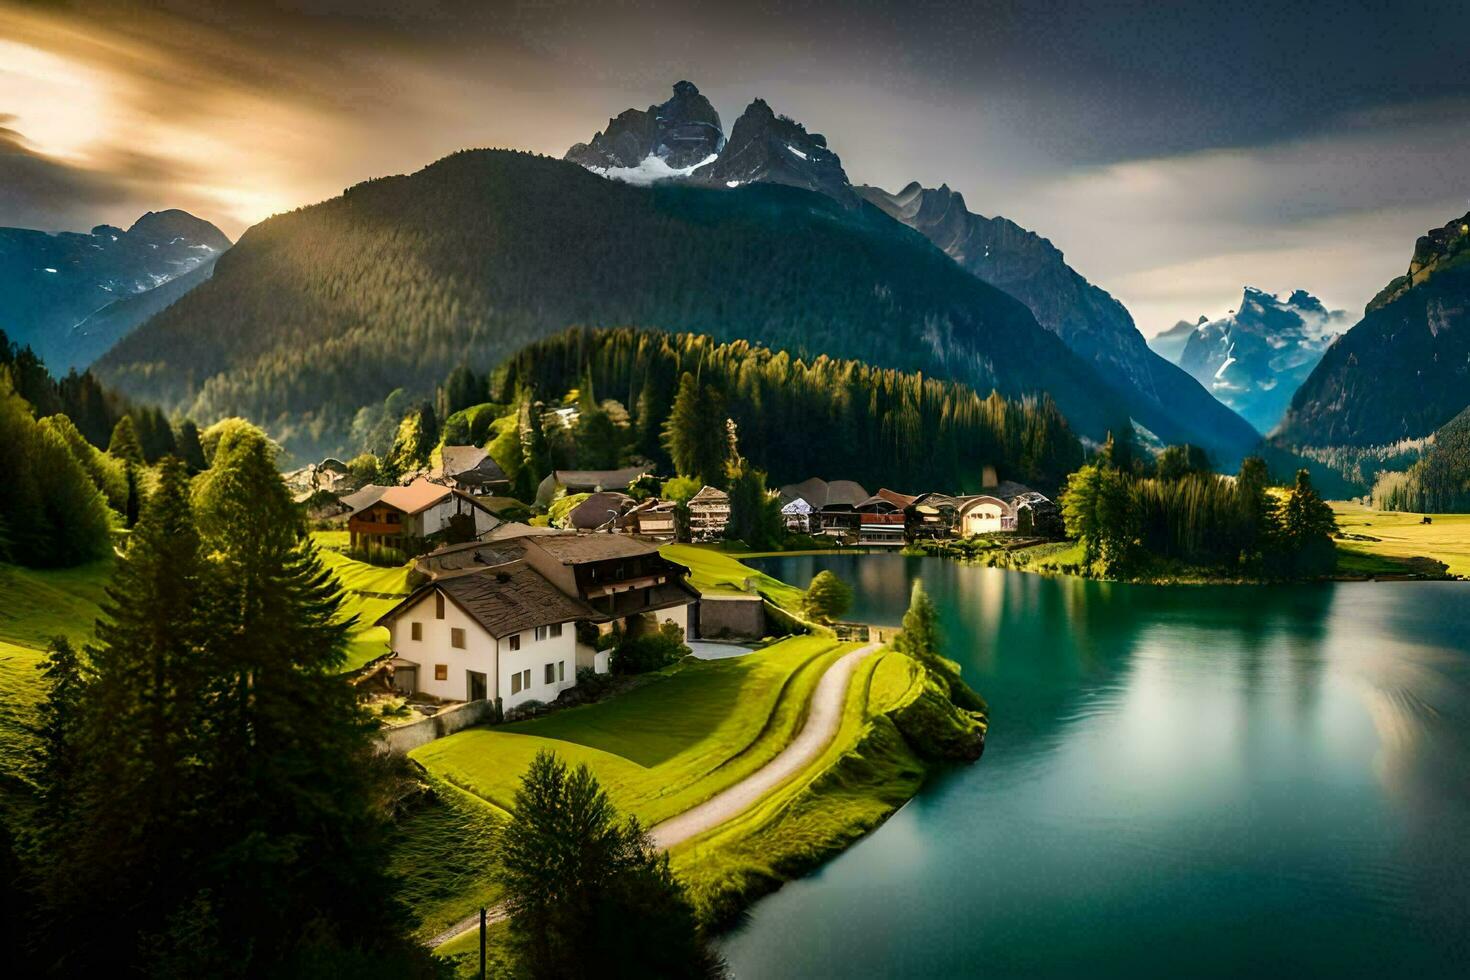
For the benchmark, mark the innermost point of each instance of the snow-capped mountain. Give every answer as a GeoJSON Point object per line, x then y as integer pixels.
{"type": "Point", "coordinates": [50, 283]}
{"type": "Point", "coordinates": [668, 140]}
{"type": "Point", "coordinates": [1255, 358]}
{"type": "Point", "coordinates": [682, 139]}
{"type": "Point", "coordinates": [771, 149]}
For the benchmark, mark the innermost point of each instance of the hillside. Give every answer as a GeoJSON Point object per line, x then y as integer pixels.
{"type": "Point", "coordinates": [317, 313]}
{"type": "Point", "coordinates": [1163, 398]}
{"type": "Point", "coordinates": [50, 283]}
{"type": "Point", "coordinates": [1400, 373]}
{"type": "Point", "coordinates": [1437, 483]}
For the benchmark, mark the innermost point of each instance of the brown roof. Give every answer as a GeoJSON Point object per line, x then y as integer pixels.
{"type": "Point", "coordinates": [470, 556]}
{"type": "Point", "coordinates": [893, 498]}
{"type": "Point", "coordinates": [598, 509]}
{"type": "Point", "coordinates": [418, 495]}
{"type": "Point", "coordinates": [504, 600]}
{"type": "Point", "coordinates": [469, 464]}
{"type": "Point", "coordinates": [574, 549]}
{"type": "Point", "coordinates": [365, 497]}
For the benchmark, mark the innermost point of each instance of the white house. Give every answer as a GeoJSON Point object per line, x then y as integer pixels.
{"type": "Point", "coordinates": [984, 514]}
{"type": "Point", "coordinates": [499, 619]}
{"type": "Point", "coordinates": [797, 515]}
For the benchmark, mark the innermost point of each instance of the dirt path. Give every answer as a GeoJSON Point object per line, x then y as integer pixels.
{"type": "Point", "coordinates": [823, 718]}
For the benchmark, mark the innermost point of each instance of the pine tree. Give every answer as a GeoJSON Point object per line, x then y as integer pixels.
{"type": "Point", "coordinates": [695, 433]}
{"type": "Point", "coordinates": [124, 444]}
{"type": "Point", "coordinates": [1305, 526]}
{"type": "Point", "coordinates": [588, 894]}
{"type": "Point", "coordinates": [191, 451]}
{"type": "Point", "coordinates": [755, 514]}
{"type": "Point", "coordinates": [59, 745]}
{"type": "Point", "coordinates": [293, 761]}
{"type": "Point", "coordinates": [826, 598]}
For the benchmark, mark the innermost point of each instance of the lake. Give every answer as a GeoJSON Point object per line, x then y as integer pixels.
{"type": "Point", "coordinates": [1217, 782]}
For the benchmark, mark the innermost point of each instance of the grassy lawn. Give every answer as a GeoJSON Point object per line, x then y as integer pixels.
{"type": "Point", "coordinates": [663, 747]}
{"type": "Point", "coordinates": [21, 689]}
{"type": "Point", "coordinates": [40, 603]}
{"type": "Point", "coordinates": [370, 592]}
{"type": "Point", "coordinates": [1400, 536]}
{"type": "Point", "coordinates": [713, 570]}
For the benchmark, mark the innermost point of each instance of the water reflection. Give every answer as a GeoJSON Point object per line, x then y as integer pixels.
{"type": "Point", "coordinates": [1200, 781]}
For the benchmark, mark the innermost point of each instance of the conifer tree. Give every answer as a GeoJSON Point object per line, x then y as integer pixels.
{"type": "Point", "coordinates": [293, 760]}
{"type": "Point", "coordinates": [190, 449]}
{"type": "Point", "coordinates": [124, 444]}
{"type": "Point", "coordinates": [695, 433]}
{"type": "Point", "coordinates": [755, 514]}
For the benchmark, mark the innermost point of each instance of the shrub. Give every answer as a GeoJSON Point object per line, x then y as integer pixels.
{"type": "Point", "coordinates": [827, 598]}
{"type": "Point", "coordinates": [650, 651]}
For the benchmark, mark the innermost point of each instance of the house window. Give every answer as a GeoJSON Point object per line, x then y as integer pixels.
{"type": "Point", "coordinates": [540, 633]}
{"type": "Point", "coordinates": [515, 683]}
{"type": "Point", "coordinates": [441, 672]}
{"type": "Point", "coordinates": [555, 630]}
{"type": "Point", "coordinates": [551, 673]}
{"type": "Point", "coordinates": [416, 631]}
{"type": "Point", "coordinates": [456, 638]}
{"type": "Point", "coordinates": [438, 605]}
{"type": "Point", "coordinates": [526, 677]}
{"type": "Point", "coordinates": [515, 642]}
{"type": "Point", "coordinates": [561, 670]}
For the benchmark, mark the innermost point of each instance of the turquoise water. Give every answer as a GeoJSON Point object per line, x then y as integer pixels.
{"type": "Point", "coordinates": [1188, 782]}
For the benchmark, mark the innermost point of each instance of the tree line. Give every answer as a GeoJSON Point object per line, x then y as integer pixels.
{"type": "Point", "coordinates": [795, 418]}
{"type": "Point", "coordinates": [1129, 515]}
{"type": "Point", "coordinates": [1439, 482]}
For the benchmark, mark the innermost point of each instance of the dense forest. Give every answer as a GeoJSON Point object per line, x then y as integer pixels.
{"type": "Point", "coordinates": [320, 312]}
{"type": "Point", "coordinates": [1439, 482]}
{"type": "Point", "coordinates": [796, 419]}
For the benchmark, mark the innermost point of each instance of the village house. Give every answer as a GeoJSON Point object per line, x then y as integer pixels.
{"type": "Point", "coordinates": [586, 481]}
{"type": "Point", "coordinates": [881, 519]}
{"type": "Point", "coordinates": [797, 514]}
{"type": "Point", "coordinates": [513, 620]}
{"type": "Point", "coordinates": [984, 514]}
{"type": "Point", "coordinates": [401, 517]}
{"type": "Point", "coordinates": [709, 514]}
{"type": "Point", "coordinates": [599, 512]}
{"type": "Point", "coordinates": [931, 516]}
{"type": "Point", "coordinates": [1012, 507]}
{"type": "Point", "coordinates": [834, 503]}
{"type": "Point", "coordinates": [651, 519]}
{"type": "Point", "coordinates": [470, 470]}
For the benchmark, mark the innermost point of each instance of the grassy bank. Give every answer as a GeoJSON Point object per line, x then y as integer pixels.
{"type": "Point", "coordinates": [370, 591]}
{"type": "Point", "coordinates": [714, 570]}
{"type": "Point", "coordinates": [1391, 542]}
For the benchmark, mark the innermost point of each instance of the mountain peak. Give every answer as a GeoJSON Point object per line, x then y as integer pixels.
{"type": "Point", "coordinates": [1435, 251]}
{"type": "Point", "coordinates": [681, 133]}
{"type": "Point", "coordinates": [765, 147]}
{"type": "Point", "coordinates": [173, 223]}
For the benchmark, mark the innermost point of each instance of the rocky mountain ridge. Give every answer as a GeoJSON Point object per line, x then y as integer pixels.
{"type": "Point", "coordinates": [50, 283]}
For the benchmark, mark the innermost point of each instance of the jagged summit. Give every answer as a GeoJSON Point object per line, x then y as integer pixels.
{"type": "Point", "coordinates": [1434, 252]}
{"type": "Point", "coordinates": [1255, 358]}
{"type": "Point", "coordinates": [677, 135]}
{"type": "Point", "coordinates": [770, 148]}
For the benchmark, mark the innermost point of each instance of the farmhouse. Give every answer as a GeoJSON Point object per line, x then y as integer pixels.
{"type": "Point", "coordinates": [652, 519]}
{"type": "Point", "coordinates": [881, 519]}
{"type": "Point", "coordinates": [515, 619]}
{"type": "Point", "coordinates": [709, 514]}
{"type": "Point", "coordinates": [397, 517]}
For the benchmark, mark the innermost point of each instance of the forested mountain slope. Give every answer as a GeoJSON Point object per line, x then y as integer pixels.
{"type": "Point", "coordinates": [319, 312]}
{"type": "Point", "coordinates": [1404, 369]}
{"type": "Point", "coordinates": [1160, 395]}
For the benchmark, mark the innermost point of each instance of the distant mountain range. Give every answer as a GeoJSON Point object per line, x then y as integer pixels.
{"type": "Point", "coordinates": [317, 313]}
{"type": "Point", "coordinates": [1255, 358]}
{"type": "Point", "coordinates": [768, 148]}
{"type": "Point", "coordinates": [69, 296]}
{"type": "Point", "coordinates": [1404, 369]}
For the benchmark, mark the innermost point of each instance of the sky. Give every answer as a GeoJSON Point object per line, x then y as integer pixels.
{"type": "Point", "coordinates": [1175, 152]}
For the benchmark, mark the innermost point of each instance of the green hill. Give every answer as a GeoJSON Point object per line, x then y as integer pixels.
{"type": "Point", "coordinates": [317, 313]}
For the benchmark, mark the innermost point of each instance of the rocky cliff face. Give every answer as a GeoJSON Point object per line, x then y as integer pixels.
{"type": "Point", "coordinates": [679, 134]}
{"type": "Point", "coordinates": [1256, 358]}
{"type": "Point", "coordinates": [772, 149]}
{"type": "Point", "coordinates": [1404, 369]}
{"type": "Point", "coordinates": [1437, 251]}
{"type": "Point", "coordinates": [50, 283]}
{"type": "Point", "coordinates": [1091, 322]}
